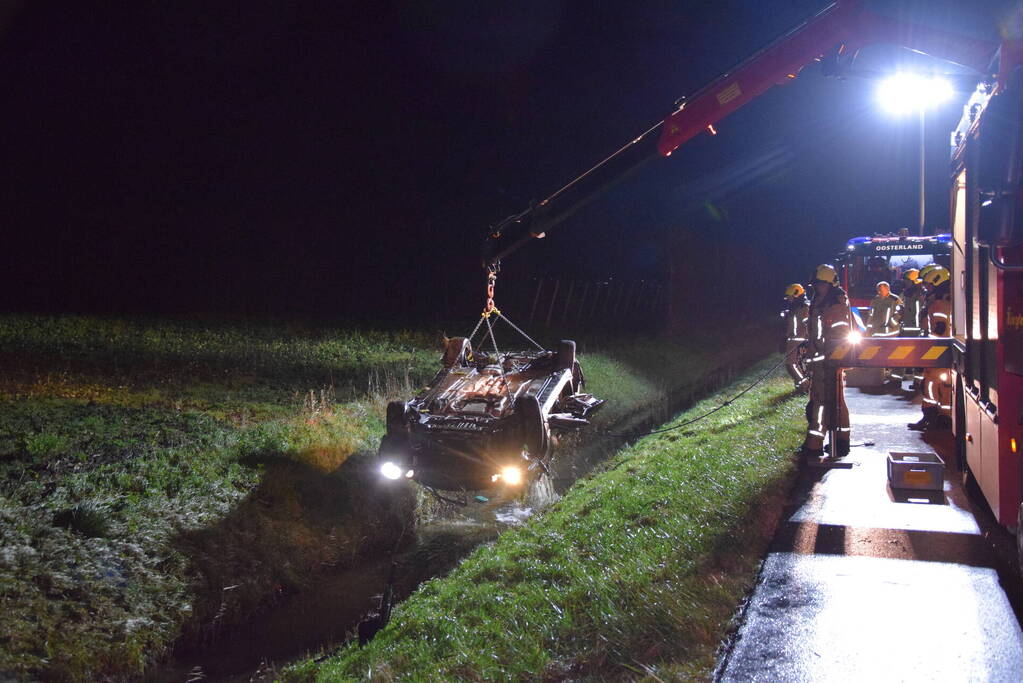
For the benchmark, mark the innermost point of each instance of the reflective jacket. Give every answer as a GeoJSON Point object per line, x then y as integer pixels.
{"type": "Point", "coordinates": [939, 316]}
{"type": "Point", "coordinates": [829, 322]}
{"type": "Point", "coordinates": [883, 320]}
{"type": "Point", "coordinates": [794, 316]}
{"type": "Point", "coordinates": [911, 311]}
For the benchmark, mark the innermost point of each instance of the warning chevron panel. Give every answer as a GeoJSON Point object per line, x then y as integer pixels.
{"type": "Point", "coordinates": [894, 352]}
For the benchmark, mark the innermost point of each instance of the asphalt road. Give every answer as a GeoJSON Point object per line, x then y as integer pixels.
{"type": "Point", "coordinates": [863, 583]}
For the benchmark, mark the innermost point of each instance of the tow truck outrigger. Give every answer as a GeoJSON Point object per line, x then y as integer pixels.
{"type": "Point", "coordinates": [985, 352]}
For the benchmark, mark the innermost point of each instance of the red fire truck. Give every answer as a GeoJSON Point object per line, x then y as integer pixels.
{"type": "Point", "coordinates": [869, 260]}
{"type": "Point", "coordinates": [987, 272]}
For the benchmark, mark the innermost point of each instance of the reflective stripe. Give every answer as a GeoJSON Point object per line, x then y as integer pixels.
{"type": "Point", "coordinates": [930, 401]}
{"type": "Point", "coordinates": [948, 407]}
{"type": "Point", "coordinates": [795, 369]}
{"type": "Point", "coordinates": [820, 415]}
{"type": "Point", "coordinates": [815, 432]}
{"type": "Point", "coordinates": [840, 322]}
{"type": "Point", "coordinates": [844, 429]}
{"type": "Point", "coordinates": [940, 315]}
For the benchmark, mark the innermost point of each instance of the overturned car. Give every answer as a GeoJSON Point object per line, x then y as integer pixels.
{"type": "Point", "coordinates": [486, 419]}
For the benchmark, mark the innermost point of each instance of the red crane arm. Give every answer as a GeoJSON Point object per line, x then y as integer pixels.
{"type": "Point", "coordinates": [844, 26]}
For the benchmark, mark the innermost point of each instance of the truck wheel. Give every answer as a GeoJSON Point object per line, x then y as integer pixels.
{"type": "Point", "coordinates": [565, 358]}
{"type": "Point", "coordinates": [535, 434]}
{"type": "Point", "coordinates": [396, 423]}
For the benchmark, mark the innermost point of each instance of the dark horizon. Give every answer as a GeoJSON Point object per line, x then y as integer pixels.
{"type": "Point", "coordinates": [275, 158]}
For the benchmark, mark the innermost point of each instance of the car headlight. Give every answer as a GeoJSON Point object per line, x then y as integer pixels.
{"type": "Point", "coordinates": [391, 471]}
{"type": "Point", "coordinates": [511, 475]}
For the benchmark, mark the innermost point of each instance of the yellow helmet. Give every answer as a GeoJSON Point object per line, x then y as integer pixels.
{"type": "Point", "coordinates": [926, 269]}
{"type": "Point", "coordinates": [826, 273]}
{"type": "Point", "coordinates": [912, 276]}
{"type": "Point", "coordinates": [937, 276]}
{"type": "Point", "coordinates": [794, 291]}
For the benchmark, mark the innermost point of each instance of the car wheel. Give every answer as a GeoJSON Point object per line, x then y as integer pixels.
{"type": "Point", "coordinates": [565, 358]}
{"type": "Point", "coordinates": [396, 423]}
{"type": "Point", "coordinates": [535, 434]}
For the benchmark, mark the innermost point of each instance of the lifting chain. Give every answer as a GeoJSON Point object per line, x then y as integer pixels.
{"type": "Point", "coordinates": [491, 307]}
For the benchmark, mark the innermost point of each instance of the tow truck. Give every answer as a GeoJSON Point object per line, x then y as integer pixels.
{"type": "Point", "coordinates": [985, 352]}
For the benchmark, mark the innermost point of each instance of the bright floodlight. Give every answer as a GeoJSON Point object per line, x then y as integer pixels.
{"type": "Point", "coordinates": [907, 92]}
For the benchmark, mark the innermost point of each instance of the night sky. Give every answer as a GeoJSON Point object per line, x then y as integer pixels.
{"type": "Point", "coordinates": [328, 159]}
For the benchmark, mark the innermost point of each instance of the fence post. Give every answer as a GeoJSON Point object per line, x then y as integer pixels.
{"type": "Point", "coordinates": [536, 298]}
{"type": "Point", "coordinates": [554, 297]}
{"type": "Point", "coordinates": [568, 299]}
{"type": "Point", "coordinates": [582, 300]}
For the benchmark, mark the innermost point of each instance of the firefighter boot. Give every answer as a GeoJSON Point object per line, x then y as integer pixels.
{"type": "Point", "coordinates": [810, 454]}
{"type": "Point", "coordinates": [931, 416]}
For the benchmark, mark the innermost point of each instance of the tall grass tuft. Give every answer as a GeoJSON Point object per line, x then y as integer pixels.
{"type": "Point", "coordinates": [89, 518]}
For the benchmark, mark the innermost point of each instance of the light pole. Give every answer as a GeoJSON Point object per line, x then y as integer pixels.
{"type": "Point", "coordinates": [907, 92]}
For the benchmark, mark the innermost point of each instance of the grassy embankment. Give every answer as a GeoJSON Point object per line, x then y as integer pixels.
{"type": "Point", "coordinates": [163, 480]}
{"type": "Point", "coordinates": [636, 572]}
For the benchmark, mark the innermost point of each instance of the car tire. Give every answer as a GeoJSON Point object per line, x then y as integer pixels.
{"type": "Point", "coordinates": [535, 433]}
{"type": "Point", "coordinates": [396, 423]}
{"type": "Point", "coordinates": [565, 358]}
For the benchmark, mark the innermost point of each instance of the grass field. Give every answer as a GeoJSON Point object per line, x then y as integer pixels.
{"type": "Point", "coordinates": [162, 479]}
{"type": "Point", "coordinates": [635, 573]}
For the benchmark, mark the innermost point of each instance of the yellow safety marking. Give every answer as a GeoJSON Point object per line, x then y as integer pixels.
{"type": "Point", "coordinates": [839, 353]}
{"type": "Point", "coordinates": [869, 352]}
{"type": "Point", "coordinates": [934, 352]}
{"type": "Point", "coordinates": [901, 352]}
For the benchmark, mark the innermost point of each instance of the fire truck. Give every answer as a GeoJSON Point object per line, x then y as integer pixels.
{"type": "Point", "coordinates": [869, 260]}
{"type": "Point", "coordinates": [984, 248]}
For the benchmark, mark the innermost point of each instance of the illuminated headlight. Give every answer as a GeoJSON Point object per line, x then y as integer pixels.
{"type": "Point", "coordinates": [855, 337]}
{"type": "Point", "coordinates": [511, 475]}
{"type": "Point", "coordinates": [410, 474]}
{"type": "Point", "coordinates": [390, 470]}
{"type": "Point", "coordinates": [944, 376]}
{"type": "Point", "coordinates": [850, 247]}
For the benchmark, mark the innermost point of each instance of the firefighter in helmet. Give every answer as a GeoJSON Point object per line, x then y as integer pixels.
{"type": "Point", "coordinates": [910, 313]}
{"type": "Point", "coordinates": [794, 313]}
{"type": "Point", "coordinates": [937, 382]}
{"type": "Point", "coordinates": [883, 320]}
{"type": "Point", "coordinates": [828, 326]}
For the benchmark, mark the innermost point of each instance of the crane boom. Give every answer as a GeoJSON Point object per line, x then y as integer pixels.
{"type": "Point", "coordinates": [836, 32]}
{"type": "Point", "coordinates": [833, 35]}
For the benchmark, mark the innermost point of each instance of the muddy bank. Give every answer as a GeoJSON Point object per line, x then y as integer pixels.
{"type": "Point", "coordinates": [420, 537]}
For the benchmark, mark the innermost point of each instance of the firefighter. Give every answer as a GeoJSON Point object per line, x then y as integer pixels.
{"type": "Point", "coordinates": [911, 311]}
{"type": "Point", "coordinates": [910, 314]}
{"type": "Point", "coordinates": [828, 326]}
{"type": "Point", "coordinates": [794, 314]}
{"type": "Point", "coordinates": [937, 382]}
{"type": "Point", "coordinates": [883, 320]}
